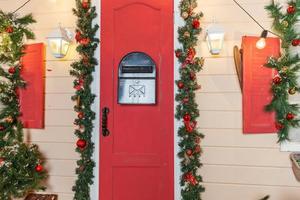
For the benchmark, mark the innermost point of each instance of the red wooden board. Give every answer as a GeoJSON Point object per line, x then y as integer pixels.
{"type": "Point", "coordinates": [32, 98]}
{"type": "Point", "coordinates": [137, 158]}
{"type": "Point", "coordinates": [257, 85]}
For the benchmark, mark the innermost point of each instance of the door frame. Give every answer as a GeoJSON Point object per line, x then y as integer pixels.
{"type": "Point", "coordinates": [96, 107]}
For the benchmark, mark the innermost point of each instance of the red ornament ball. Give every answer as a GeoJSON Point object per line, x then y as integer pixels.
{"type": "Point", "coordinates": [196, 24]}
{"type": "Point", "coordinates": [81, 143]}
{"type": "Point", "coordinates": [189, 152]}
{"type": "Point", "coordinates": [186, 100]}
{"type": "Point", "coordinates": [85, 41]}
{"type": "Point", "coordinates": [296, 42]}
{"type": "Point", "coordinates": [187, 117]}
{"type": "Point", "coordinates": [12, 70]}
{"type": "Point", "coordinates": [1, 160]}
{"type": "Point", "coordinates": [77, 87]}
{"type": "Point", "coordinates": [198, 149]}
{"type": "Point", "coordinates": [80, 115]}
{"type": "Point", "coordinates": [2, 128]}
{"type": "Point", "coordinates": [78, 36]}
{"type": "Point", "coordinates": [39, 168]}
{"type": "Point", "coordinates": [180, 85]}
{"type": "Point", "coordinates": [9, 29]}
{"type": "Point", "coordinates": [279, 126]}
{"type": "Point", "coordinates": [290, 116]}
{"type": "Point", "coordinates": [85, 4]}
{"type": "Point", "coordinates": [291, 9]}
{"type": "Point", "coordinates": [277, 80]}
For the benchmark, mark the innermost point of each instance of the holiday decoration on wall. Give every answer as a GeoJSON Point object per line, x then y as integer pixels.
{"type": "Point", "coordinates": [187, 109]}
{"type": "Point", "coordinates": [82, 71]}
{"type": "Point", "coordinates": [284, 83]}
{"type": "Point", "coordinates": [21, 165]}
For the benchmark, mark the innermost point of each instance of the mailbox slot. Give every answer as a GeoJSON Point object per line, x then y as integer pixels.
{"type": "Point", "coordinates": [137, 79]}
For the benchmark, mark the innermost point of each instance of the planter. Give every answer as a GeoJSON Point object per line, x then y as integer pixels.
{"type": "Point", "coordinates": [295, 158]}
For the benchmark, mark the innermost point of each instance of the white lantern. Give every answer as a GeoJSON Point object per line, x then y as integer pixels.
{"type": "Point", "coordinates": [215, 38]}
{"type": "Point", "coordinates": [59, 42]}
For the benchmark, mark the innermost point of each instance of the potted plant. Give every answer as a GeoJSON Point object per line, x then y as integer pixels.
{"type": "Point", "coordinates": [295, 158]}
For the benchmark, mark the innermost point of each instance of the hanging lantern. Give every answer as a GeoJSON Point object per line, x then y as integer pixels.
{"type": "Point", "coordinates": [215, 39]}
{"type": "Point", "coordinates": [59, 42]}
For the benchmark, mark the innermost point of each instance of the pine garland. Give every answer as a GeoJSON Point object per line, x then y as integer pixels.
{"type": "Point", "coordinates": [21, 165]}
{"type": "Point", "coordinates": [187, 109]}
{"type": "Point", "coordinates": [82, 71]}
{"type": "Point", "coordinates": [288, 66]}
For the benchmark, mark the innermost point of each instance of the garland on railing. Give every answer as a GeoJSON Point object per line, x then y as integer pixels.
{"type": "Point", "coordinates": [288, 66]}
{"type": "Point", "coordinates": [82, 71]}
{"type": "Point", "coordinates": [187, 108]}
{"type": "Point", "coordinates": [21, 165]}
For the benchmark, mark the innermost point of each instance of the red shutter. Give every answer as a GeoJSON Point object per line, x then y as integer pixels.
{"type": "Point", "coordinates": [32, 99]}
{"type": "Point", "coordinates": [256, 85]}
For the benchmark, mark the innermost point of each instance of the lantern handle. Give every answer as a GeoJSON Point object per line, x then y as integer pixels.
{"type": "Point", "coordinates": [238, 60]}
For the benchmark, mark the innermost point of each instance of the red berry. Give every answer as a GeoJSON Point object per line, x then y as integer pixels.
{"type": "Point", "coordinates": [187, 117]}
{"type": "Point", "coordinates": [177, 54]}
{"type": "Point", "coordinates": [291, 9]}
{"type": "Point", "coordinates": [196, 24]}
{"type": "Point", "coordinates": [39, 168]}
{"type": "Point", "coordinates": [290, 116]}
{"type": "Point", "coordinates": [12, 70]}
{"type": "Point", "coordinates": [180, 85]}
{"type": "Point", "coordinates": [81, 143]}
{"type": "Point", "coordinates": [277, 80]}
{"type": "Point", "coordinates": [296, 42]}
{"type": "Point", "coordinates": [279, 126]}
{"type": "Point", "coordinates": [9, 29]}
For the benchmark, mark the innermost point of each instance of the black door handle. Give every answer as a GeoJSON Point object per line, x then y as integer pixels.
{"type": "Point", "coordinates": [105, 131]}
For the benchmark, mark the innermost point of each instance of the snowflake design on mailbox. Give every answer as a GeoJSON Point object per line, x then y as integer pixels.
{"type": "Point", "coordinates": [137, 79]}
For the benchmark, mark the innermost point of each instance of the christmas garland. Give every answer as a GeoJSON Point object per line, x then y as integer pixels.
{"type": "Point", "coordinates": [21, 165]}
{"type": "Point", "coordinates": [187, 108]}
{"type": "Point", "coordinates": [82, 71]}
{"type": "Point", "coordinates": [285, 82]}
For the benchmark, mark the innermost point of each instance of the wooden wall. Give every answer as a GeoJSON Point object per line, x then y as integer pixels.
{"type": "Point", "coordinates": [236, 166]}
{"type": "Point", "coordinates": [56, 141]}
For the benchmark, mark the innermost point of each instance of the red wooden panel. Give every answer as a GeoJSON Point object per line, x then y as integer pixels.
{"type": "Point", "coordinates": [137, 158]}
{"type": "Point", "coordinates": [32, 99]}
{"type": "Point", "coordinates": [256, 85]}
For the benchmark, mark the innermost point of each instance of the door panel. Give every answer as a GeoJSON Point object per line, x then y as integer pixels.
{"type": "Point", "coordinates": [136, 159]}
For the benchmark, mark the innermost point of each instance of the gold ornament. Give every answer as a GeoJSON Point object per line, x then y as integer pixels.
{"type": "Point", "coordinates": [187, 34]}
{"type": "Point", "coordinates": [185, 15]}
{"type": "Point", "coordinates": [292, 91]}
{"type": "Point", "coordinates": [201, 62]}
{"type": "Point", "coordinates": [9, 119]}
{"type": "Point", "coordinates": [285, 23]}
{"type": "Point", "coordinates": [284, 69]}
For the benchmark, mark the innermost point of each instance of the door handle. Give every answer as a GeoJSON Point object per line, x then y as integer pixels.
{"type": "Point", "coordinates": [105, 131]}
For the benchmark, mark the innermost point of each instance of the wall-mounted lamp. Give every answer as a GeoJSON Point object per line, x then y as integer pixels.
{"type": "Point", "coordinates": [59, 42]}
{"type": "Point", "coordinates": [261, 43]}
{"type": "Point", "coordinates": [215, 39]}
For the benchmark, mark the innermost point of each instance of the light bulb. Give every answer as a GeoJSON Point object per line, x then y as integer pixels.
{"type": "Point", "coordinates": [261, 43]}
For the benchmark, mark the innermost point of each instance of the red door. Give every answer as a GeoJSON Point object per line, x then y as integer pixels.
{"type": "Point", "coordinates": [136, 158]}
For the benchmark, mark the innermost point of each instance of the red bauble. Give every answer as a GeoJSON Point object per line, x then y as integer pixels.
{"type": "Point", "coordinates": [291, 9]}
{"type": "Point", "coordinates": [1, 160]}
{"type": "Point", "coordinates": [9, 29]}
{"type": "Point", "coordinates": [178, 54]}
{"type": "Point", "coordinates": [197, 140]}
{"type": "Point", "coordinates": [81, 143]}
{"type": "Point", "coordinates": [78, 36]}
{"type": "Point", "coordinates": [187, 117]}
{"type": "Point", "coordinates": [296, 42]}
{"type": "Point", "coordinates": [186, 100]}
{"type": "Point", "coordinates": [85, 41]}
{"type": "Point", "coordinates": [277, 80]}
{"type": "Point", "coordinates": [189, 152]}
{"type": "Point", "coordinates": [12, 70]}
{"type": "Point", "coordinates": [279, 126]}
{"type": "Point", "coordinates": [196, 24]}
{"type": "Point", "coordinates": [2, 128]}
{"type": "Point", "coordinates": [77, 87]}
{"type": "Point", "coordinates": [85, 4]}
{"type": "Point", "coordinates": [290, 116]}
{"type": "Point", "coordinates": [180, 85]}
{"type": "Point", "coordinates": [80, 115]}
{"type": "Point", "coordinates": [39, 168]}
{"type": "Point", "coordinates": [198, 149]}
